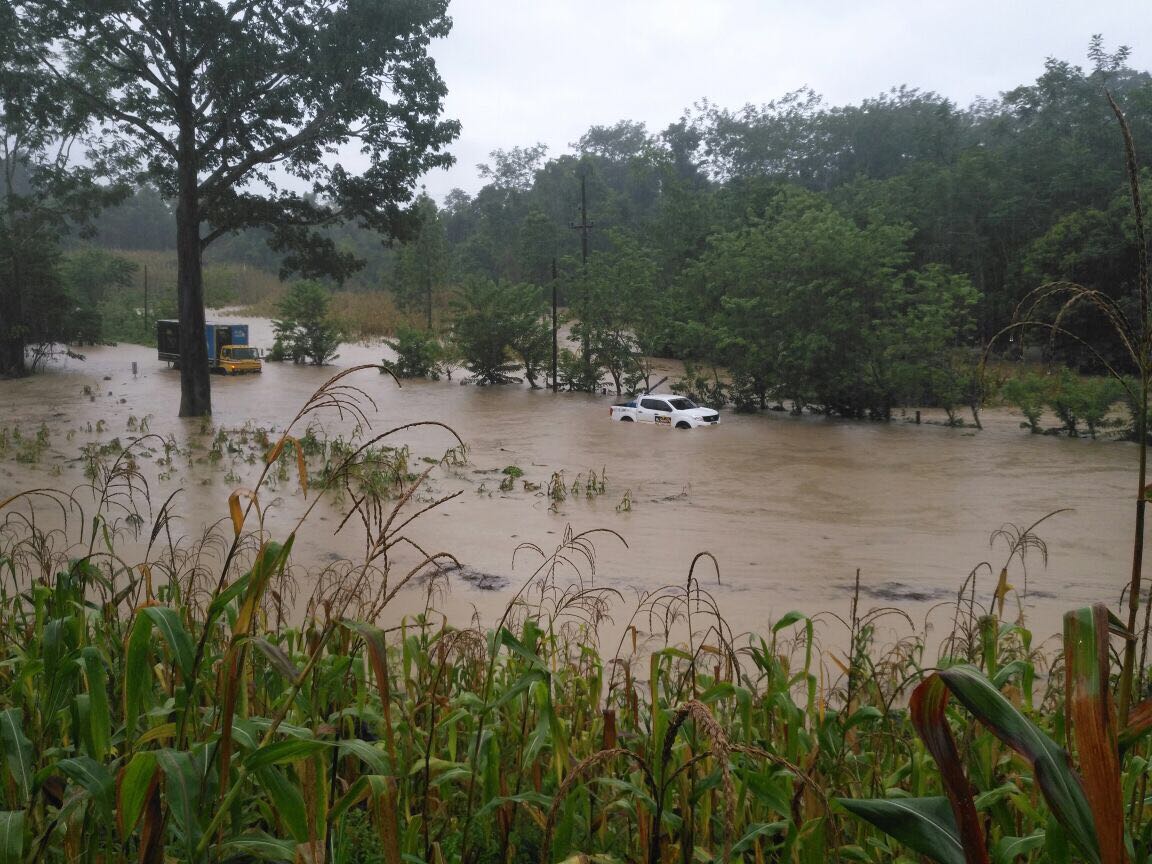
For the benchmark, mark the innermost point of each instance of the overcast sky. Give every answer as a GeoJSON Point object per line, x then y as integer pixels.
{"type": "Point", "coordinates": [526, 71]}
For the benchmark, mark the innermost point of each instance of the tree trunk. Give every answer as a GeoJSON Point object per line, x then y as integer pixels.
{"type": "Point", "coordinates": [11, 329]}
{"type": "Point", "coordinates": [11, 307]}
{"type": "Point", "coordinates": [195, 384]}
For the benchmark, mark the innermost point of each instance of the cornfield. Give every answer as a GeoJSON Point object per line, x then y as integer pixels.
{"type": "Point", "coordinates": [167, 707]}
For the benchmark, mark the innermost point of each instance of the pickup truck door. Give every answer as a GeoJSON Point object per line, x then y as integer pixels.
{"type": "Point", "coordinates": [654, 411]}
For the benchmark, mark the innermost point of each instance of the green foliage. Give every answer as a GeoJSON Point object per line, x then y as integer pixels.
{"type": "Point", "coordinates": [613, 301]}
{"type": "Point", "coordinates": [368, 79]}
{"type": "Point", "coordinates": [419, 354]}
{"type": "Point", "coordinates": [422, 262]}
{"type": "Point", "coordinates": [305, 330]}
{"type": "Point", "coordinates": [805, 305]}
{"type": "Point", "coordinates": [497, 323]}
{"type": "Point", "coordinates": [1029, 393]}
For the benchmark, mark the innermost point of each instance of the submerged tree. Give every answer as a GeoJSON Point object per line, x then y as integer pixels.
{"type": "Point", "coordinates": [220, 104]}
{"type": "Point", "coordinates": [305, 331]}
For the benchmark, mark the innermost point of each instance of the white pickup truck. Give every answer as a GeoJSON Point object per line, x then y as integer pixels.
{"type": "Point", "coordinates": [673, 411]}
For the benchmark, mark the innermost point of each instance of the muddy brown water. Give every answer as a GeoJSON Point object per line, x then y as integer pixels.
{"type": "Point", "coordinates": [789, 507]}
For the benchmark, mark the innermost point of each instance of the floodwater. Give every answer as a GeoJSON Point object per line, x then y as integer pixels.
{"type": "Point", "coordinates": [789, 507]}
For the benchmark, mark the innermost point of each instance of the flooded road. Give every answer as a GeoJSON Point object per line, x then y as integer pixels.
{"type": "Point", "coordinates": [789, 507]}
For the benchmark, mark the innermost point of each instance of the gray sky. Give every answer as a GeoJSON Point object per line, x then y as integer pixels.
{"type": "Point", "coordinates": [526, 71]}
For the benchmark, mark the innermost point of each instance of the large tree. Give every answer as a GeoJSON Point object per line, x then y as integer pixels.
{"type": "Point", "coordinates": [242, 112]}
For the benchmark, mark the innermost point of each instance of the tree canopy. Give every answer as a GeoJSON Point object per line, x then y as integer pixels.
{"type": "Point", "coordinates": [230, 108]}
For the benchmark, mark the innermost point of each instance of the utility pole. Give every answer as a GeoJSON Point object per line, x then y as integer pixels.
{"type": "Point", "coordinates": [555, 354]}
{"type": "Point", "coordinates": [584, 227]}
{"type": "Point", "coordinates": [145, 294]}
{"type": "Point", "coordinates": [428, 277]}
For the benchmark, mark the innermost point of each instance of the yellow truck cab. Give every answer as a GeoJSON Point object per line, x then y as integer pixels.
{"type": "Point", "coordinates": [238, 359]}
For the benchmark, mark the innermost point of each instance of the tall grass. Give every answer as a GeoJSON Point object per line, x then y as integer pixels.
{"type": "Point", "coordinates": [159, 701]}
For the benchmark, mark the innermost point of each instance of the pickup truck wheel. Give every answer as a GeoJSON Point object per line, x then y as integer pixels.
{"type": "Point", "coordinates": [683, 425]}
{"type": "Point", "coordinates": [626, 420]}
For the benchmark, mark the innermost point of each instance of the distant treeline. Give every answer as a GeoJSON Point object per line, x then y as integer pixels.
{"type": "Point", "coordinates": [835, 257]}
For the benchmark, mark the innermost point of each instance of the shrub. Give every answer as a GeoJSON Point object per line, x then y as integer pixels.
{"type": "Point", "coordinates": [305, 329]}
{"type": "Point", "coordinates": [1029, 393]}
{"type": "Point", "coordinates": [419, 354]}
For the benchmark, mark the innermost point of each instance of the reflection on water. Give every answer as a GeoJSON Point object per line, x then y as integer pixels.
{"type": "Point", "coordinates": [789, 507]}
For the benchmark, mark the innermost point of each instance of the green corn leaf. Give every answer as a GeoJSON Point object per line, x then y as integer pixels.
{"type": "Point", "coordinates": [788, 619]}
{"type": "Point", "coordinates": [182, 789]}
{"type": "Point", "coordinates": [269, 563]}
{"type": "Point", "coordinates": [284, 751]}
{"type": "Point", "coordinates": [1059, 784]}
{"type": "Point", "coordinates": [543, 802]}
{"type": "Point", "coordinates": [11, 836]}
{"type": "Point", "coordinates": [99, 713]}
{"type": "Point", "coordinates": [378, 656]}
{"type": "Point", "coordinates": [375, 759]}
{"type": "Point", "coordinates": [756, 830]}
{"type": "Point", "coordinates": [137, 673]}
{"type": "Point", "coordinates": [278, 657]}
{"type": "Point", "coordinates": [17, 752]}
{"type": "Point", "coordinates": [372, 787]}
{"type": "Point", "coordinates": [1010, 848]}
{"type": "Point", "coordinates": [228, 595]}
{"type": "Point", "coordinates": [519, 649]}
{"type": "Point", "coordinates": [260, 846]}
{"type": "Point", "coordinates": [171, 628]}
{"type": "Point", "coordinates": [94, 778]}
{"type": "Point", "coordinates": [132, 788]}
{"type": "Point", "coordinates": [925, 825]}
{"type": "Point", "coordinates": [287, 801]}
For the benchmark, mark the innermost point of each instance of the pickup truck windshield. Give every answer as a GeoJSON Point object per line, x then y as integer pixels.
{"type": "Point", "coordinates": [241, 353]}
{"type": "Point", "coordinates": [682, 404]}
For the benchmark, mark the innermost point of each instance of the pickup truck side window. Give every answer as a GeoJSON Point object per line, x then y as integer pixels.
{"type": "Point", "coordinates": [655, 405]}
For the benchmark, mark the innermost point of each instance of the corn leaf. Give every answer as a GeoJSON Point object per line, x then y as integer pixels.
{"type": "Point", "coordinates": [99, 714]}
{"type": "Point", "coordinates": [925, 825]}
{"type": "Point", "coordinates": [1011, 848]}
{"type": "Point", "coordinates": [284, 751]}
{"type": "Point", "coordinates": [221, 600]}
{"type": "Point", "coordinates": [278, 657]}
{"type": "Point", "coordinates": [94, 779]}
{"type": "Point", "coordinates": [1092, 719]}
{"type": "Point", "coordinates": [929, 715]}
{"type": "Point", "coordinates": [287, 800]}
{"type": "Point", "coordinates": [236, 512]}
{"type": "Point", "coordinates": [17, 752]}
{"type": "Point", "coordinates": [182, 790]}
{"type": "Point", "coordinates": [133, 787]}
{"type": "Point", "coordinates": [260, 846]}
{"type": "Point", "coordinates": [1139, 724]}
{"type": "Point", "coordinates": [11, 836]}
{"type": "Point", "coordinates": [1059, 784]}
{"type": "Point", "coordinates": [171, 628]}
{"type": "Point", "coordinates": [137, 672]}
{"type": "Point", "coordinates": [378, 656]}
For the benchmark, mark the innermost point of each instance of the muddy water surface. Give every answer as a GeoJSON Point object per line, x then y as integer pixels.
{"type": "Point", "coordinates": [789, 507]}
